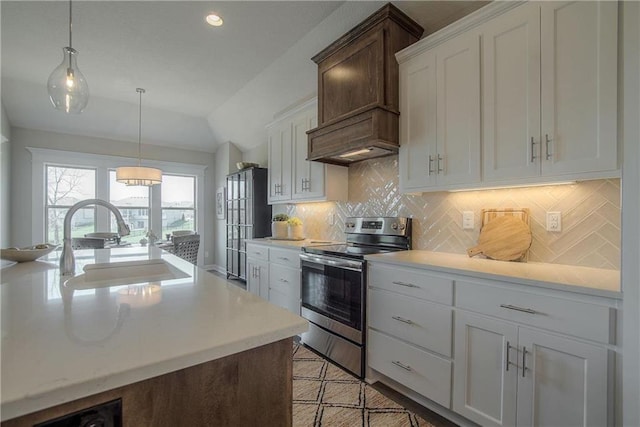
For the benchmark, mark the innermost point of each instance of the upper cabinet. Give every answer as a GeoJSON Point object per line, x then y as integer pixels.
{"type": "Point", "coordinates": [440, 121]}
{"type": "Point", "coordinates": [549, 98]}
{"type": "Point", "coordinates": [292, 178]}
{"type": "Point", "coordinates": [550, 91]}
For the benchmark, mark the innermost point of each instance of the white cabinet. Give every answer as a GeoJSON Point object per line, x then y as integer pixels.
{"type": "Point", "coordinates": [292, 178]}
{"type": "Point", "coordinates": [258, 277]}
{"type": "Point", "coordinates": [410, 329]}
{"type": "Point", "coordinates": [508, 372]}
{"type": "Point", "coordinates": [440, 116]}
{"type": "Point", "coordinates": [274, 274]}
{"type": "Point", "coordinates": [550, 92]}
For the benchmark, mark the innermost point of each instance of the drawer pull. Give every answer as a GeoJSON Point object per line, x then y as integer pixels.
{"type": "Point", "coordinates": [516, 308]}
{"type": "Point", "coordinates": [402, 365]}
{"type": "Point", "coordinates": [283, 258]}
{"type": "Point", "coordinates": [258, 253]}
{"type": "Point", "coordinates": [284, 280]}
{"type": "Point", "coordinates": [402, 319]}
{"type": "Point", "coordinates": [408, 285]}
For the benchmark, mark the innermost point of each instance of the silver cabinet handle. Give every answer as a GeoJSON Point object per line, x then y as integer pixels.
{"type": "Point", "coordinates": [547, 141]}
{"type": "Point", "coordinates": [402, 319]}
{"type": "Point", "coordinates": [408, 285]}
{"type": "Point", "coordinates": [439, 160]}
{"type": "Point", "coordinates": [431, 159]}
{"type": "Point", "coordinates": [516, 308]}
{"type": "Point", "coordinates": [402, 365]}
{"type": "Point", "coordinates": [524, 360]}
{"type": "Point", "coordinates": [284, 280]}
{"type": "Point", "coordinates": [508, 362]}
{"type": "Point", "coordinates": [533, 155]}
{"type": "Point", "coordinates": [283, 258]}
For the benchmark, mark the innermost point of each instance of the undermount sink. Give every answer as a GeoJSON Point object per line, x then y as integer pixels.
{"type": "Point", "coordinates": [124, 273]}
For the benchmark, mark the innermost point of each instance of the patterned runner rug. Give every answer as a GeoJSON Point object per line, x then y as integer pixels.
{"type": "Point", "coordinates": [326, 396]}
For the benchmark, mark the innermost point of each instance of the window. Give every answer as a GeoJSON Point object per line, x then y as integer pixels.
{"type": "Point", "coordinates": [69, 177]}
{"type": "Point", "coordinates": [133, 203]}
{"type": "Point", "coordinates": [65, 187]}
{"type": "Point", "coordinates": [178, 203]}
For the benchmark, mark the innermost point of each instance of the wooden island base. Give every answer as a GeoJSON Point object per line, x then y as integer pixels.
{"type": "Point", "coordinates": [249, 388]}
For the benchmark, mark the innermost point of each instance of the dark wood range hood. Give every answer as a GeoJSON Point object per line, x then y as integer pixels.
{"type": "Point", "coordinates": [358, 90]}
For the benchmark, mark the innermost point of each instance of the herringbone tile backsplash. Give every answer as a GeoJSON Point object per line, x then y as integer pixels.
{"type": "Point", "coordinates": [590, 210]}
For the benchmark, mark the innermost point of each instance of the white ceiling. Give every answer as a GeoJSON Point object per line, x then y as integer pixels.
{"type": "Point", "coordinates": [190, 70]}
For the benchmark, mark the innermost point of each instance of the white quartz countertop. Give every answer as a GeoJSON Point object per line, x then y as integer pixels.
{"type": "Point", "coordinates": [292, 244]}
{"type": "Point", "coordinates": [585, 280]}
{"type": "Point", "coordinates": [59, 345]}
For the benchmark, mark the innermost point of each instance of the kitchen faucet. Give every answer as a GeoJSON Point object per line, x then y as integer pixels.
{"type": "Point", "coordinates": [67, 260]}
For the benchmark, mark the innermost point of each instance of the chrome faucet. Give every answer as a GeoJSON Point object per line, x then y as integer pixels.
{"type": "Point", "coordinates": [67, 260]}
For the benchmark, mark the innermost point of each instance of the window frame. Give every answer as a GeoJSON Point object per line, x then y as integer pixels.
{"type": "Point", "coordinates": [195, 208]}
{"type": "Point", "coordinates": [41, 157]}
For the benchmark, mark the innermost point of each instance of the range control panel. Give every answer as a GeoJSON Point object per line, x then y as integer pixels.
{"type": "Point", "coordinates": [394, 226]}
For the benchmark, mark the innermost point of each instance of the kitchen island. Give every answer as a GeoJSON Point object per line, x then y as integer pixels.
{"type": "Point", "coordinates": [192, 350]}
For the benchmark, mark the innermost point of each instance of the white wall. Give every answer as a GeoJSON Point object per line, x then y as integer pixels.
{"type": "Point", "coordinates": [631, 212]}
{"type": "Point", "coordinates": [20, 197]}
{"type": "Point", "coordinates": [5, 180]}
{"type": "Point", "coordinates": [291, 78]}
{"type": "Point", "coordinates": [226, 157]}
{"type": "Point", "coordinates": [257, 155]}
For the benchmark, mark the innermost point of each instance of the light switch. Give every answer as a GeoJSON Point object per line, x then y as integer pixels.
{"type": "Point", "coordinates": [467, 220]}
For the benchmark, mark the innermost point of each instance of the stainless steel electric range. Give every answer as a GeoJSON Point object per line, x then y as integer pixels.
{"type": "Point", "coordinates": [333, 287]}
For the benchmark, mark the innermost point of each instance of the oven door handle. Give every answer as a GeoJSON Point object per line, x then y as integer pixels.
{"type": "Point", "coordinates": [333, 262]}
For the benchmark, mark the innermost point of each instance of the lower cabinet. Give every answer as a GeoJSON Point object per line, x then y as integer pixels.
{"type": "Point", "coordinates": [506, 375]}
{"type": "Point", "coordinates": [274, 274]}
{"type": "Point", "coordinates": [490, 351]}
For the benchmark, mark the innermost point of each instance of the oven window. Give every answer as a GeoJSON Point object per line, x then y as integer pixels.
{"type": "Point", "coordinates": [333, 292]}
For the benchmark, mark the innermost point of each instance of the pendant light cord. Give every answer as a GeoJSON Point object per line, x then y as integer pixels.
{"type": "Point", "coordinates": [70, 25]}
{"type": "Point", "coordinates": [140, 91]}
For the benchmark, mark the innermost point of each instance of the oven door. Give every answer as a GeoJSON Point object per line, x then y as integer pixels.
{"type": "Point", "coordinates": [332, 292]}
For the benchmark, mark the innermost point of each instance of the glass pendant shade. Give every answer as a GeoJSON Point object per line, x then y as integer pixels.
{"type": "Point", "coordinates": [68, 89]}
{"type": "Point", "coordinates": [138, 175]}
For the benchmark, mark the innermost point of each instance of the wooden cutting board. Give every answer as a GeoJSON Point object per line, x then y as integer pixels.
{"type": "Point", "coordinates": [504, 238]}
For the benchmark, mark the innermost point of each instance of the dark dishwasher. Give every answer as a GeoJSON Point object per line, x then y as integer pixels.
{"type": "Point", "coordinates": [104, 415]}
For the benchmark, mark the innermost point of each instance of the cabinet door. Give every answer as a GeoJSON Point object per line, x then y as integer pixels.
{"type": "Point", "coordinates": [565, 383]}
{"type": "Point", "coordinates": [258, 277]}
{"type": "Point", "coordinates": [511, 95]}
{"type": "Point", "coordinates": [418, 122]}
{"type": "Point", "coordinates": [458, 111]}
{"type": "Point", "coordinates": [308, 177]}
{"type": "Point", "coordinates": [484, 383]}
{"type": "Point", "coordinates": [579, 86]}
{"type": "Point", "coordinates": [279, 146]}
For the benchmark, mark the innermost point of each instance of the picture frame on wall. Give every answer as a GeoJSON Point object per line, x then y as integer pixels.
{"type": "Point", "coordinates": [220, 208]}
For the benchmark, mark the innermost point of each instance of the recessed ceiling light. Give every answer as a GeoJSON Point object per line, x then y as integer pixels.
{"type": "Point", "coordinates": [214, 20]}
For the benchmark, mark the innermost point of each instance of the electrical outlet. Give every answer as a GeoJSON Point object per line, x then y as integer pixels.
{"type": "Point", "coordinates": [554, 221]}
{"type": "Point", "coordinates": [206, 254]}
{"type": "Point", "coordinates": [467, 220]}
{"type": "Point", "coordinates": [331, 218]}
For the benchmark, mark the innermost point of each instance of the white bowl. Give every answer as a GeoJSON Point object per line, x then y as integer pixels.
{"type": "Point", "coordinates": [26, 254]}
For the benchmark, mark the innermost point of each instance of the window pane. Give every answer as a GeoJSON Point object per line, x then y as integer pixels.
{"type": "Point", "coordinates": [66, 186]}
{"type": "Point", "coordinates": [178, 191]}
{"type": "Point", "coordinates": [133, 204]}
{"type": "Point", "coordinates": [122, 195]}
{"type": "Point", "coordinates": [83, 222]}
{"type": "Point", "coordinates": [177, 219]}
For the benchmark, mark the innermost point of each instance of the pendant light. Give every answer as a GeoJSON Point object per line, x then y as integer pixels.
{"type": "Point", "coordinates": [68, 89]}
{"type": "Point", "coordinates": [139, 175]}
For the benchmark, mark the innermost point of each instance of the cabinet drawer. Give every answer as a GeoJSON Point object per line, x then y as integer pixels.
{"type": "Point", "coordinates": [422, 323]}
{"type": "Point", "coordinates": [580, 319]}
{"type": "Point", "coordinates": [285, 257]}
{"type": "Point", "coordinates": [257, 252]}
{"type": "Point", "coordinates": [285, 280]}
{"type": "Point", "coordinates": [425, 373]}
{"type": "Point", "coordinates": [411, 282]}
